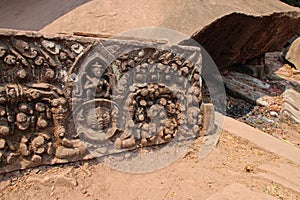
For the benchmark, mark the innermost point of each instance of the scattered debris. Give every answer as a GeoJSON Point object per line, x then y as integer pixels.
{"type": "Point", "coordinates": [249, 168]}
{"type": "Point", "coordinates": [266, 104]}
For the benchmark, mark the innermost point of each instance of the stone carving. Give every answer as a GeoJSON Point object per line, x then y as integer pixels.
{"type": "Point", "coordinates": [151, 111]}
{"type": "Point", "coordinates": [62, 98]}
{"type": "Point", "coordinates": [33, 97]}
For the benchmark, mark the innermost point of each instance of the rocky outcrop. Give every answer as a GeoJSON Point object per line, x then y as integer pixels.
{"type": "Point", "coordinates": [239, 38]}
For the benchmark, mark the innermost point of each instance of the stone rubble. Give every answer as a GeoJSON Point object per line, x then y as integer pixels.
{"type": "Point", "coordinates": [269, 103]}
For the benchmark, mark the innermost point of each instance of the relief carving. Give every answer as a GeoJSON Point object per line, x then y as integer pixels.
{"type": "Point", "coordinates": [62, 99]}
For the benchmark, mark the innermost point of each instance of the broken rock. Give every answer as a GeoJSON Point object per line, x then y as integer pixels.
{"type": "Point", "coordinates": [292, 52]}
{"type": "Point", "coordinates": [291, 104]}
{"type": "Point", "coordinates": [246, 87]}
{"type": "Point", "coordinates": [234, 31]}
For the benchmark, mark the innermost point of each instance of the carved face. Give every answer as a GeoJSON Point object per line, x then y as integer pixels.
{"type": "Point", "coordinates": [40, 107]}
{"type": "Point", "coordinates": [155, 111]}
{"type": "Point", "coordinates": [24, 107]}
{"type": "Point", "coordinates": [23, 122]}
{"type": "Point", "coordinates": [104, 118]}
{"type": "Point", "coordinates": [12, 93]}
{"type": "Point", "coordinates": [11, 60]}
{"type": "Point", "coordinates": [98, 119]}
{"type": "Point", "coordinates": [97, 69]}
{"type": "Point", "coordinates": [21, 117]}
{"type": "Point", "coordinates": [35, 94]}
{"type": "Point", "coordinates": [193, 114]}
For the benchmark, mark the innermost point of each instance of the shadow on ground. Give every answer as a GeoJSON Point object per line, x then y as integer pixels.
{"type": "Point", "coordinates": [34, 14]}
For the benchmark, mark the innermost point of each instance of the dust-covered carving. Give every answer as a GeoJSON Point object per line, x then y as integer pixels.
{"type": "Point", "coordinates": [158, 92]}
{"type": "Point", "coordinates": [33, 98]}
{"type": "Point", "coordinates": [63, 97]}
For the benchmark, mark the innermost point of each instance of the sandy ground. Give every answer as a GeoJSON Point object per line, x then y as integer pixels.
{"type": "Point", "coordinates": [236, 169]}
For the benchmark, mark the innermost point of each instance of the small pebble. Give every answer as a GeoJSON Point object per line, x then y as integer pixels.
{"type": "Point", "coordinates": [274, 114]}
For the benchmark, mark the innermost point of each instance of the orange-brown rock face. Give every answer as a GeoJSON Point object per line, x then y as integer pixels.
{"type": "Point", "coordinates": [240, 38]}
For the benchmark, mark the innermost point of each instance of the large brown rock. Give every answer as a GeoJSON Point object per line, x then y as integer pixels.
{"type": "Point", "coordinates": [240, 38]}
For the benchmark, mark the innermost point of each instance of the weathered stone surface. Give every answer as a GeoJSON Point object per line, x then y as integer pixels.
{"type": "Point", "coordinates": [239, 38]}
{"type": "Point", "coordinates": [291, 104]}
{"type": "Point", "coordinates": [292, 54]}
{"type": "Point", "coordinates": [246, 87]}
{"type": "Point", "coordinates": [208, 118]}
{"type": "Point", "coordinates": [63, 97]}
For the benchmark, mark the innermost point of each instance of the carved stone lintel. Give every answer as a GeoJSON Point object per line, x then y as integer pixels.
{"type": "Point", "coordinates": [70, 98]}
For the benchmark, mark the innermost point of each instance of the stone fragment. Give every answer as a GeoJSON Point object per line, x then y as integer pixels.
{"type": "Point", "coordinates": [249, 93]}
{"type": "Point", "coordinates": [274, 114]}
{"type": "Point", "coordinates": [208, 119]}
{"type": "Point", "coordinates": [291, 105]}
{"type": "Point", "coordinates": [293, 53]}
{"type": "Point", "coordinates": [250, 80]}
{"type": "Point", "coordinates": [2, 143]}
{"type": "Point", "coordinates": [225, 30]}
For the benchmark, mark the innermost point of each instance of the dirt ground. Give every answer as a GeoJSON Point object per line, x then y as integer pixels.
{"type": "Point", "coordinates": [236, 168]}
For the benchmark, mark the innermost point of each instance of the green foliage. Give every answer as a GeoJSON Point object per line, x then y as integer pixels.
{"type": "Point", "coordinates": [292, 2]}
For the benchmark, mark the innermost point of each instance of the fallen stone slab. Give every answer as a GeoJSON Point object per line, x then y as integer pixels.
{"type": "Point", "coordinates": [246, 87]}
{"type": "Point", "coordinates": [291, 104]}
{"type": "Point", "coordinates": [249, 80]}
{"type": "Point", "coordinates": [244, 39]}
{"type": "Point", "coordinates": [66, 98]}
